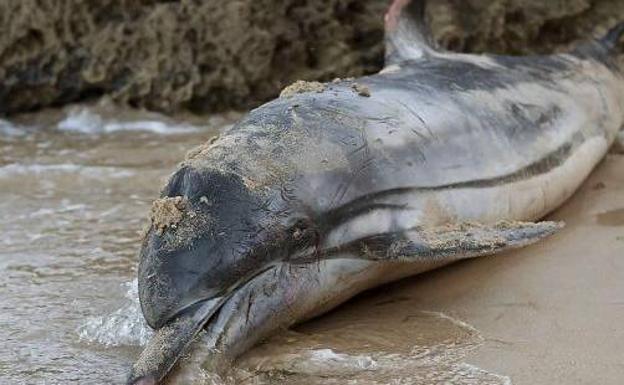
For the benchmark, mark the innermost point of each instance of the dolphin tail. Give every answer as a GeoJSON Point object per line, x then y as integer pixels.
{"type": "Point", "coordinates": [447, 243]}
{"type": "Point", "coordinates": [611, 40]}
{"type": "Point", "coordinates": [407, 32]}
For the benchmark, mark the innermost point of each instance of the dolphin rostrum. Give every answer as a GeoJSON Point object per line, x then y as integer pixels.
{"type": "Point", "coordinates": [335, 188]}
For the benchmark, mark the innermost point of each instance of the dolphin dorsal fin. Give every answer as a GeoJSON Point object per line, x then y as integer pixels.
{"type": "Point", "coordinates": [407, 33]}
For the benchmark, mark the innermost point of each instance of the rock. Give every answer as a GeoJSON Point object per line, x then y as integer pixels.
{"type": "Point", "coordinates": [210, 55]}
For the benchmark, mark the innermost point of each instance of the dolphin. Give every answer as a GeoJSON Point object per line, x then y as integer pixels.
{"type": "Point", "coordinates": [335, 188]}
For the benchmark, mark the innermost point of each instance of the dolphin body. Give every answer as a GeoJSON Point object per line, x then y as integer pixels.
{"type": "Point", "coordinates": [335, 188]}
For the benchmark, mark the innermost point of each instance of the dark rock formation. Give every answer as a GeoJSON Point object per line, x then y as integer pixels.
{"type": "Point", "coordinates": [208, 55]}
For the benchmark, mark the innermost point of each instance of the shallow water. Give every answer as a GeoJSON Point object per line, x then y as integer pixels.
{"type": "Point", "coordinates": [372, 348]}
{"type": "Point", "coordinates": [75, 189]}
{"type": "Point", "coordinates": [73, 203]}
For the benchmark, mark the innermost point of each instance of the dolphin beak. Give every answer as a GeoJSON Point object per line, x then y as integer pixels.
{"type": "Point", "coordinates": [170, 342]}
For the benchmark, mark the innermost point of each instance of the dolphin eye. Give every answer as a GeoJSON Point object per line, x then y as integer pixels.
{"type": "Point", "coordinates": [298, 233]}
{"type": "Point", "coordinates": [299, 227]}
{"type": "Point", "coordinates": [305, 240]}
{"type": "Point", "coordinates": [304, 231]}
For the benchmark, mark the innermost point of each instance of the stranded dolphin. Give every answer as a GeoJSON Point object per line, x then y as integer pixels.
{"type": "Point", "coordinates": [336, 188]}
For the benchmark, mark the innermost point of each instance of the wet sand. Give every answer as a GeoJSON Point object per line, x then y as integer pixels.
{"type": "Point", "coordinates": [551, 313]}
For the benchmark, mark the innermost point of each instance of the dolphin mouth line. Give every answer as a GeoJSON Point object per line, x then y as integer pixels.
{"type": "Point", "coordinates": [224, 297]}
{"type": "Point", "coordinates": [171, 341]}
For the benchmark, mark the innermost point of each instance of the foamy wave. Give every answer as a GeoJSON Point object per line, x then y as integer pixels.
{"type": "Point", "coordinates": [16, 169]}
{"type": "Point", "coordinates": [327, 367]}
{"type": "Point", "coordinates": [125, 326]}
{"type": "Point", "coordinates": [429, 363]}
{"type": "Point", "coordinates": [328, 362]}
{"type": "Point", "coordinates": [84, 120]}
{"type": "Point", "coordinates": [9, 129]}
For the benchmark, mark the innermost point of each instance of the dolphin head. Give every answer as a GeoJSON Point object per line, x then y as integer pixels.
{"type": "Point", "coordinates": [211, 234]}
{"type": "Point", "coordinates": [235, 230]}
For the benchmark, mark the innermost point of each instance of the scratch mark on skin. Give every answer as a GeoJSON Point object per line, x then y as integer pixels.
{"type": "Point", "coordinates": [368, 161]}
{"type": "Point", "coordinates": [297, 121]}
{"type": "Point", "coordinates": [364, 147]}
{"type": "Point", "coordinates": [265, 205]}
{"type": "Point", "coordinates": [420, 118]}
{"type": "Point", "coordinates": [287, 193]}
{"type": "Point", "coordinates": [344, 187]}
{"type": "Point", "coordinates": [360, 117]}
{"type": "Point", "coordinates": [418, 134]}
{"type": "Point", "coordinates": [249, 305]}
{"type": "Point", "coordinates": [421, 153]}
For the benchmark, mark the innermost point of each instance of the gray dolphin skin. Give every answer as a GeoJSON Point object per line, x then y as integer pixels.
{"type": "Point", "coordinates": [336, 188]}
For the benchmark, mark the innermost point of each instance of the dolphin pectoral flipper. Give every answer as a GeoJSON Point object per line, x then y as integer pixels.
{"type": "Point", "coordinates": [449, 242]}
